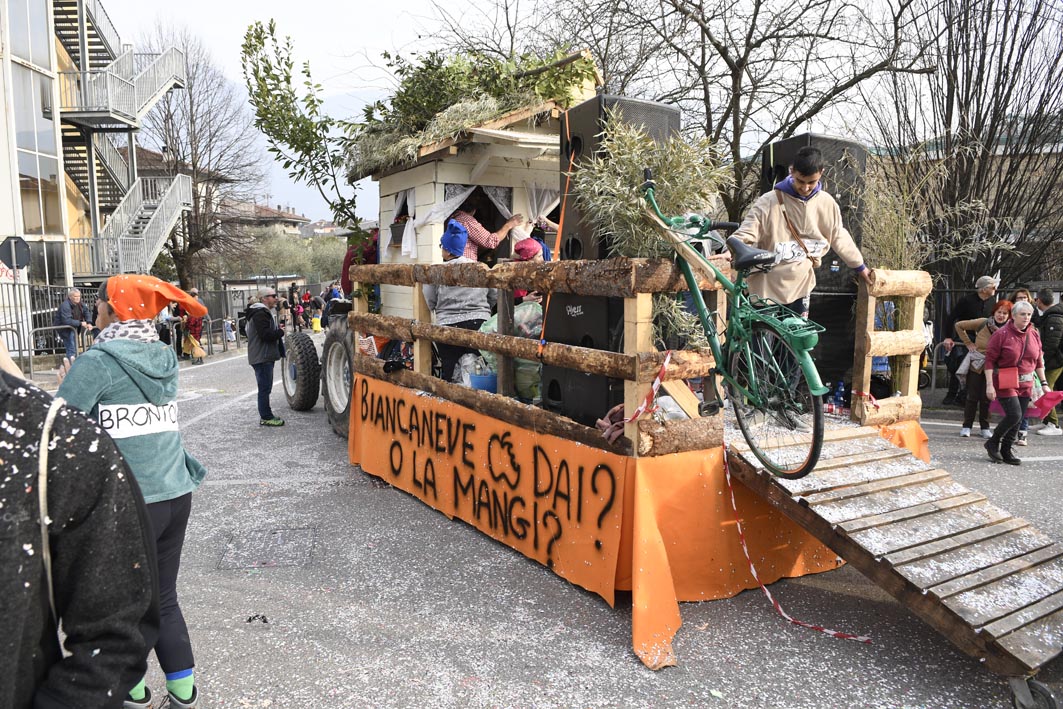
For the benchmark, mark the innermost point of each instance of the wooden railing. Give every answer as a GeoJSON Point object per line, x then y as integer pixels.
{"type": "Point", "coordinates": [908, 291]}
{"type": "Point", "coordinates": [633, 280]}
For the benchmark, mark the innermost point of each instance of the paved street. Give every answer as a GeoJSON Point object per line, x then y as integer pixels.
{"type": "Point", "coordinates": [377, 600]}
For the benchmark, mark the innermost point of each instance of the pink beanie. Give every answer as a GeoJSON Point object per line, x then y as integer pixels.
{"type": "Point", "coordinates": [526, 249]}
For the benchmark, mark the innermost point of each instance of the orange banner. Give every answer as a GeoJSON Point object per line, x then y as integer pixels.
{"type": "Point", "coordinates": [552, 500]}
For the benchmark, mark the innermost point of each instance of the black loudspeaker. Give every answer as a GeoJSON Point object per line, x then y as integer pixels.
{"type": "Point", "coordinates": [836, 349]}
{"type": "Point", "coordinates": [597, 323]}
{"type": "Point", "coordinates": [843, 178]}
{"type": "Point", "coordinates": [581, 130]}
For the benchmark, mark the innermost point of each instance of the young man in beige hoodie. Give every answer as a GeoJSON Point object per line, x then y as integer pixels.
{"type": "Point", "coordinates": [800, 223]}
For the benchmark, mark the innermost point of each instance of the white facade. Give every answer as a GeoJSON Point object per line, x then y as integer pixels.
{"type": "Point", "coordinates": [32, 183]}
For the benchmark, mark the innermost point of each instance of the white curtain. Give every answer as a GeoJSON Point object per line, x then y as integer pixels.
{"type": "Point", "coordinates": [400, 199]}
{"type": "Point", "coordinates": [409, 234]}
{"type": "Point", "coordinates": [441, 211]}
{"type": "Point", "coordinates": [498, 195]}
{"type": "Point", "coordinates": [541, 200]}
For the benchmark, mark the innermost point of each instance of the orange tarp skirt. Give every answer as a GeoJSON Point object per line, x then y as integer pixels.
{"type": "Point", "coordinates": [661, 527]}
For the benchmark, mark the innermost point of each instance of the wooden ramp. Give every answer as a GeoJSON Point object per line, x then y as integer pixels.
{"type": "Point", "coordinates": [988, 581]}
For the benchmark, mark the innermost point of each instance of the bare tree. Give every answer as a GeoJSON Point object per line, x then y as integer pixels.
{"type": "Point", "coordinates": [992, 116]}
{"type": "Point", "coordinates": [207, 132]}
{"type": "Point", "coordinates": [745, 73]}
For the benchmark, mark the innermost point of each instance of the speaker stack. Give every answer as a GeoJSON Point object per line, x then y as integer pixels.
{"type": "Point", "coordinates": [594, 322]}
{"type": "Point", "coordinates": [833, 303]}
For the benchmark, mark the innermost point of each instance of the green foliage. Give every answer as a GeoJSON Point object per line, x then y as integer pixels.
{"type": "Point", "coordinates": [164, 268]}
{"type": "Point", "coordinates": [307, 142]}
{"type": "Point", "coordinates": [271, 250]}
{"type": "Point", "coordinates": [688, 176]}
{"type": "Point", "coordinates": [439, 95]}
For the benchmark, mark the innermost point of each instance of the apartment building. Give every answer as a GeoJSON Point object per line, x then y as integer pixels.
{"type": "Point", "coordinates": [72, 95]}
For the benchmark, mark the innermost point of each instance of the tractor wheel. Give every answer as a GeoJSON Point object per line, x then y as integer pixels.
{"type": "Point", "coordinates": [337, 375]}
{"type": "Point", "coordinates": [300, 371]}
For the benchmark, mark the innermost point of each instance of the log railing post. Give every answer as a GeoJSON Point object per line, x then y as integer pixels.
{"type": "Point", "coordinates": [422, 349]}
{"type": "Point", "coordinates": [638, 337]}
{"type": "Point", "coordinates": [506, 371]}
{"type": "Point", "coordinates": [908, 290]}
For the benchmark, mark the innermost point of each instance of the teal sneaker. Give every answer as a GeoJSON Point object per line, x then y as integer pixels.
{"type": "Point", "coordinates": [271, 422]}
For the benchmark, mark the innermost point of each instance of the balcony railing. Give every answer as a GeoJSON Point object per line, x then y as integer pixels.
{"type": "Point", "coordinates": [97, 92]}
{"type": "Point", "coordinates": [117, 249]}
{"type": "Point", "coordinates": [157, 74]}
{"type": "Point", "coordinates": [109, 155]}
{"type": "Point", "coordinates": [104, 27]}
{"type": "Point", "coordinates": [171, 204]}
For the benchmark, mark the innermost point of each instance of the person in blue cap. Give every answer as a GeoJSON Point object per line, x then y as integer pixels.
{"type": "Point", "coordinates": [457, 306]}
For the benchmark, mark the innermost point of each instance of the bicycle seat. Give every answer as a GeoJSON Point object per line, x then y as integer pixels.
{"type": "Point", "coordinates": [748, 257]}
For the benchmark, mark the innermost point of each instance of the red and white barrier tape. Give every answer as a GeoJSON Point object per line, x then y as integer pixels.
{"type": "Point", "coordinates": [752, 569]}
{"type": "Point", "coordinates": [870, 399]}
{"type": "Point", "coordinates": [648, 406]}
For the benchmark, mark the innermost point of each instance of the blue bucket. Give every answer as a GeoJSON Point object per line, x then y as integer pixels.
{"type": "Point", "coordinates": [484, 382]}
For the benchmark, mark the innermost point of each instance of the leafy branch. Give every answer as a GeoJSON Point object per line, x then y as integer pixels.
{"type": "Point", "coordinates": [307, 142]}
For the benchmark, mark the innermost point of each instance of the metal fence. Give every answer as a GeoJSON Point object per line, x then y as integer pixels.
{"type": "Point", "coordinates": [27, 314]}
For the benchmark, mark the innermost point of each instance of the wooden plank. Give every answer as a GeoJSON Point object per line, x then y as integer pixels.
{"type": "Point", "coordinates": [845, 493]}
{"type": "Point", "coordinates": [977, 554]}
{"type": "Point", "coordinates": [1039, 642]}
{"type": "Point", "coordinates": [882, 540]}
{"type": "Point", "coordinates": [638, 337]}
{"type": "Point", "coordinates": [854, 475]}
{"type": "Point", "coordinates": [1042, 609]}
{"type": "Point", "coordinates": [939, 546]}
{"type": "Point", "coordinates": [908, 513]}
{"type": "Point", "coordinates": [686, 399]}
{"type": "Point", "coordinates": [845, 461]}
{"type": "Point", "coordinates": [998, 571]}
{"type": "Point", "coordinates": [996, 600]}
{"type": "Point", "coordinates": [928, 608]}
{"type": "Point", "coordinates": [895, 499]}
{"type": "Point", "coordinates": [865, 322]}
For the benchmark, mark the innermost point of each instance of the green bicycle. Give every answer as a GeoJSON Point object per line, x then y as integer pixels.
{"type": "Point", "coordinates": [765, 356]}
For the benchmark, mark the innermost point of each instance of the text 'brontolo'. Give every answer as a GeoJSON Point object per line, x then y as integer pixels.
{"type": "Point", "coordinates": [127, 420]}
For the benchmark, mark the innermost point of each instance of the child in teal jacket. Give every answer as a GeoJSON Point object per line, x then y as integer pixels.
{"type": "Point", "coordinates": [127, 382]}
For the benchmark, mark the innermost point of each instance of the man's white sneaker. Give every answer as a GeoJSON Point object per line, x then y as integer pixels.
{"type": "Point", "coordinates": [986, 433]}
{"type": "Point", "coordinates": [965, 432]}
{"type": "Point", "coordinates": [1021, 439]}
{"type": "Point", "coordinates": [1050, 429]}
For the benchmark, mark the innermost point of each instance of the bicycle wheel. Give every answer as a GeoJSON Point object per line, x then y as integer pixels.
{"type": "Point", "coordinates": [785, 428]}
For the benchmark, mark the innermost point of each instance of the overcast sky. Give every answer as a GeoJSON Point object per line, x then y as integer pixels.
{"type": "Point", "coordinates": [342, 41]}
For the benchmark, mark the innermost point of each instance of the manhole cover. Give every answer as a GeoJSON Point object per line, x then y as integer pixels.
{"type": "Point", "coordinates": [268, 548]}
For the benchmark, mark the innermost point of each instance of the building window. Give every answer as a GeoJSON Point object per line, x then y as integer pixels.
{"type": "Point", "coordinates": [38, 162]}
{"type": "Point", "coordinates": [30, 38]}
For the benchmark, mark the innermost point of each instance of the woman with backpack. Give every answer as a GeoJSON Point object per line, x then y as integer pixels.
{"type": "Point", "coordinates": [977, 401]}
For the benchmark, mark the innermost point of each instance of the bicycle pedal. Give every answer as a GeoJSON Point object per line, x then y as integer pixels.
{"type": "Point", "coordinates": [708, 408]}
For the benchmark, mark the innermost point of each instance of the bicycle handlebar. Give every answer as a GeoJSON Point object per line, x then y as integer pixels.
{"type": "Point", "coordinates": [690, 221]}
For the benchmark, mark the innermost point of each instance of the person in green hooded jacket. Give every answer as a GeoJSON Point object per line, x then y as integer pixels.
{"type": "Point", "coordinates": [127, 382]}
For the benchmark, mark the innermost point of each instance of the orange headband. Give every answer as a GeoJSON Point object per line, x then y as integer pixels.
{"type": "Point", "coordinates": [140, 297]}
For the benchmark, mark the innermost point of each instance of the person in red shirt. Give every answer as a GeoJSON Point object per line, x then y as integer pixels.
{"type": "Point", "coordinates": [480, 239]}
{"type": "Point", "coordinates": [1016, 345]}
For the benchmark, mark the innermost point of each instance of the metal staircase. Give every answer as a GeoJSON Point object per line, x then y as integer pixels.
{"type": "Point", "coordinates": [102, 38]}
{"type": "Point", "coordinates": [112, 90]}
{"type": "Point", "coordinates": [136, 231]}
{"type": "Point", "coordinates": [112, 169]}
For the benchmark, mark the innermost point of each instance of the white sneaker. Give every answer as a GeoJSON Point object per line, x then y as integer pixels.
{"type": "Point", "coordinates": [965, 432]}
{"type": "Point", "coordinates": [1050, 429]}
{"type": "Point", "coordinates": [986, 433]}
{"type": "Point", "coordinates": [1021, 440]}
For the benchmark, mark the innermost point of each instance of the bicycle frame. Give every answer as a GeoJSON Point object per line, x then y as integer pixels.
{"type": "Point", "coordinates": [743, 311]}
